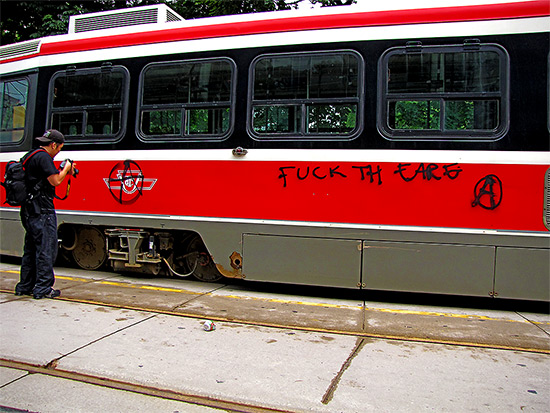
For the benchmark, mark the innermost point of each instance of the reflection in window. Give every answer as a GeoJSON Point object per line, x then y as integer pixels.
{"type": "Point", "coordinates": [438, 91]}
{"type": "Point", "coordinates": [163, 122]}
{"type": "Point", "coordinates": [459, 72]}
{"type": "Point", "coordinates": [89, 103]}
{"type": "Point", "coordinates": [187, 99]}
{"type": "Point", "coordinates": [418, 114]}
{"type": "Point", "coordinates": [14, 97]}
{"type": "Point", "coordinates": [277, 119]}
{"type": "Point", "coordinates": [310, 95]}
{"type": "Point", "coordinates": [336, 119]}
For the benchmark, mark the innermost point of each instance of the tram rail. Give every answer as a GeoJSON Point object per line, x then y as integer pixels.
{"type": "Point", "coordinates": [216, 403]}
{"type": "Point", "coordinates": [144, 335]}
{"type": "Point", "coordinates": [508, 330]}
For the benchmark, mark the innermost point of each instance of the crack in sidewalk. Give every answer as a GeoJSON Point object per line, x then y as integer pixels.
{"type": "Point", "coordinates": [329, 394]}
{"type": "Point", "coordinates": [52, 365]}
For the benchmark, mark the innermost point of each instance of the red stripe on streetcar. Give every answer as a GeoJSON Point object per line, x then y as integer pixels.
{"type": "Point", "coordinates": [469, 196]}
{"type": "Point", "coordinates": [335, 21]}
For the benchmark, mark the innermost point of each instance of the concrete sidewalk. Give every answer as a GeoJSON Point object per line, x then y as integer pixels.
{"type": "Point", "coordinates": [273, 368]}
{"type": "Point", "coordinates": [510, 330]}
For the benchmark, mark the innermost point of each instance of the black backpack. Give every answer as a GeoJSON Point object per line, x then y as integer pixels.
{"type": "Point", "coordinates": [15, 183]}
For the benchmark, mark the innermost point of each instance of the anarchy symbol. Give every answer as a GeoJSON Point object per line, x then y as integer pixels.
{"type": "Point", "coordinates": [488, 192]}
{"type": "Point", "coordinates": [126, 182]}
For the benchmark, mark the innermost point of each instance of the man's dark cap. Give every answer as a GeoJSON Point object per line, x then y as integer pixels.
{"type": "Point", "coordinates": [52, 135]}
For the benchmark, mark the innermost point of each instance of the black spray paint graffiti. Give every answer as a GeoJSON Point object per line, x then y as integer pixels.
{"type": "Point", "coordinates": [488, 192]}
{"type": "Point", "coordinates": [370, 172]}
{"type": "Point", "coordinates": [367, 170]}
{"type": "Point", "coordinates": [125, 182]}
{"type": "Point", "coordinates": [427, 172]}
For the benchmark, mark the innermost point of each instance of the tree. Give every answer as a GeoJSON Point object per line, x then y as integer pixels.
{"type": "Point", "coordinates": [328, 3]}
{"type": "Point", "coordinates": [26, 20]}
{"type": "Point", "coordinates": [191, 9]}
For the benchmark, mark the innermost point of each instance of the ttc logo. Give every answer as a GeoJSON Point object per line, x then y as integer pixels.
{"type": "Point", "coordinates": [127, 183]}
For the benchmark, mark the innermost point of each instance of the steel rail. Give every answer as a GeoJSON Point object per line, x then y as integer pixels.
{"type": "Point", "coordinates": [359, 334]}
{"type": "Point", "coordinates": [51, 370]}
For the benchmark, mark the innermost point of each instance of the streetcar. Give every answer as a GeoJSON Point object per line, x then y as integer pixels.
{"type": "Point", "coordinates": [394, 146]}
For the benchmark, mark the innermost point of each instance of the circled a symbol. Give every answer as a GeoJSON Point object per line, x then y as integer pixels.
{"type": "Point", "coordinates": [488, 192]}
{"type": "Point", "coordinates": [125, 182]}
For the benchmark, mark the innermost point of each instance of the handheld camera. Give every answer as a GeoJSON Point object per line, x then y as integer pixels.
{"type": "Point", "coordinates": [76, 171]}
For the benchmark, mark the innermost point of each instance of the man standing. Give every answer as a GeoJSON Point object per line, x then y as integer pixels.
{"type": "Point", "coordinates": [39, 219]}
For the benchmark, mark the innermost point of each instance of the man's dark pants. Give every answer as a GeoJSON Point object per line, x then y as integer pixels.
{"type": "Point", "coordinates": [39, 253]}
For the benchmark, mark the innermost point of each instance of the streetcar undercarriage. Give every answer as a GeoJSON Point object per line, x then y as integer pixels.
{"type": "Point", "coordinates": [178, 253]}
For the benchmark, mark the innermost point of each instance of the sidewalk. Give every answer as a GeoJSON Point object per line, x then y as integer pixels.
{"type": "Point", "coordinates": [274, 368]}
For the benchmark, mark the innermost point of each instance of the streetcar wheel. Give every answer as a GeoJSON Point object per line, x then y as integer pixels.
{"type": "Point", "coordinates": [67, 234]}
{"type": "Point", "coordinates": [90, 252]}
{"type": "Point", "coordinates": [198, 260]}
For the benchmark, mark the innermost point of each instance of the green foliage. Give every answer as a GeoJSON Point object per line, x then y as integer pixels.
{"type": "Point", "coordinates": [190, 9]}
{"type": "Point", "coordinates": [328, 3]}
{"type": "Point", "coordinates": [425, 115]}
{"type": "Point", "coordinates": [459, 115]}
{"type": "Point", "coordinates": [26, 20]}
{"type": "Point", "coordinates": [417, 114]}
{"type": "Point", "coordinates": [321, 119]}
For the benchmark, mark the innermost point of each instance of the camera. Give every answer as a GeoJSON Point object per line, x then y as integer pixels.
{"type": "Point", "coordinates": [76, 171]}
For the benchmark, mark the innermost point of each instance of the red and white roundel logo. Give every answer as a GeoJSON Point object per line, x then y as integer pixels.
{"type": "Point", "coordinates": [126, 182]}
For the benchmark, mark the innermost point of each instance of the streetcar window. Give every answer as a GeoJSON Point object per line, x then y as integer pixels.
{"type": "Point", "coordinates": [456, 92]}
{"type": "Point", "coordinates": [306, 95]}
{"type": "Point", "coordinates": [89, 104]}
{"type": "Point", "coordinates": [14, 97]}
{"type": "Point", "coordinates": [187, 100]}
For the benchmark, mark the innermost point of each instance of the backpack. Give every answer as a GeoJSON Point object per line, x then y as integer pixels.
{"type": "Point", "coordinates": [15, 183]}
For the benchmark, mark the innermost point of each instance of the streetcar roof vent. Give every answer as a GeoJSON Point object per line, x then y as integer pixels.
{"type": "Point", "coordinates": [158, 13]}
{"type": "Point", "coordinates": [19, 49]}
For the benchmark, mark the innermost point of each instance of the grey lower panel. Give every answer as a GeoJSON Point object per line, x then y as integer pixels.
{"type": "Point", "coordinates": [523, 273]}
{"type": "Point", "coordinates": [12, 237]}
{"type": "Point", "coordinates": [300, 260]}
{"type": "Point", "coordinates": [432, 268]}
{"type": "Point", "coordinates": [447, 262]}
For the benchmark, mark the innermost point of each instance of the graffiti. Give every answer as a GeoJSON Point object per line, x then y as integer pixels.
{"type": "Point", "coordinates": [488, 192]}
{"type": "Point", "coordinates": [370, 173]}
{"type": "Point", "coordinates": [126, 182]}
{"type": "Point", "coordinates": [427, 172]}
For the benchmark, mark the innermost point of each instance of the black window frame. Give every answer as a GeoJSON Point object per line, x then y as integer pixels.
{"type": "Point", "coordinates": [305, 103]}
{"type": "Point", "coordinates": [442, 134]}
{"type": "Point", "coordinates": [184, 107]}
{"type": "Point", "coordinates": [85, 136]}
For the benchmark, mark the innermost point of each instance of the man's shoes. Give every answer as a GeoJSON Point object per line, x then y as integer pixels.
{"type": "Point", "coordinates": [18, 293]}
{"type": "Point", "coordinates": [52, 294]}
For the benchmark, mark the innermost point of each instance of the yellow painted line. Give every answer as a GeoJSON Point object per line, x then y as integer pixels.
{"type": "Point", "coordinates": [83, 280]}
{"type": "Point", "coordinates": [277, 300]}
{"type": "Point", "coordinates": [310, 329]}
{"type": "Point", "coordinates": [147, 287]}
{"type": "Point", "coordinates": [386, 310]}
{"type": "Point", "coordinates": [437, 314]}
{"type": "Point", "coordinates": [318, 329]}
{"type": "Point", "coordinates": [171, 290]}
{"type": "Point", "coordinates": [126, 285]}
{"type": "Point", "coordinates": [116, 284]}
{"type": "Point", "coordinates": [302, 303]}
